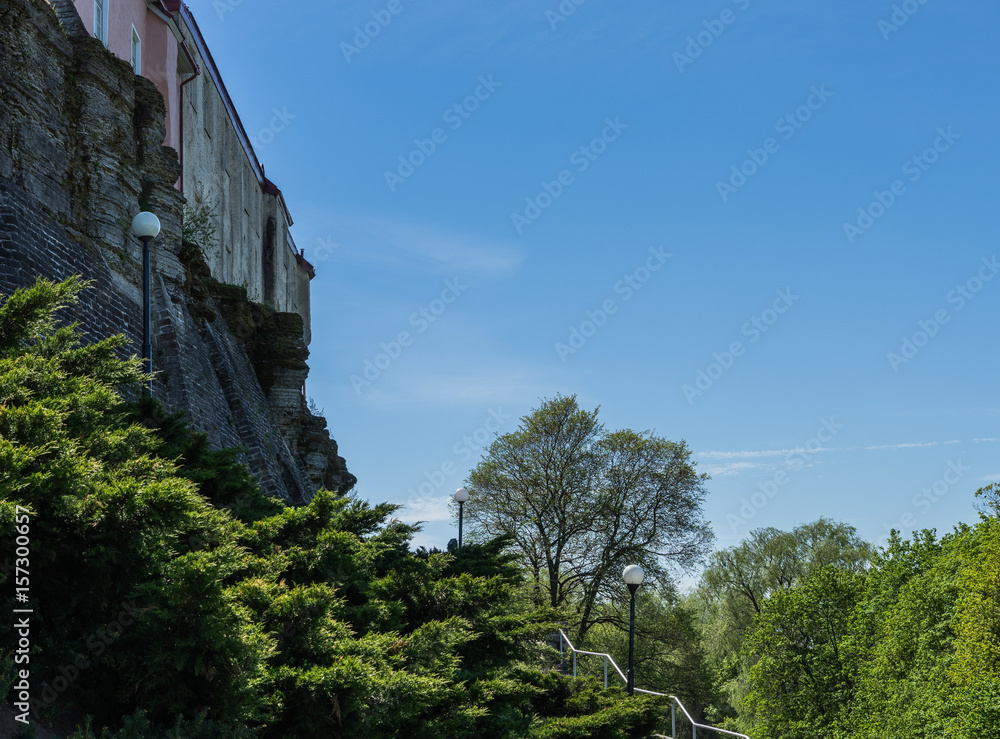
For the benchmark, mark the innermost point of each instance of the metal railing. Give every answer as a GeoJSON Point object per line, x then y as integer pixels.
{"type": "Point", "coordinates": [675, 702]}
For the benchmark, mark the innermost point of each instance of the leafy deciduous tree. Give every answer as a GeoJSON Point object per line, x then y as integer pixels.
{"type": "Point", "coordinates": [580, 503]}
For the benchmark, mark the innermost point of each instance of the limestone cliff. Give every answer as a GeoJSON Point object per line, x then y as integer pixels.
{"type": "Point", "coordinates": [80, 154]}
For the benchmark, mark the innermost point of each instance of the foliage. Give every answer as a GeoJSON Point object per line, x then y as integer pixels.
{"type": "Point", "coordinates": [222, 478]}
{"type": "Point", "coordinates": [579, 504]}
{"type": "Point", "coordinates": [669, 654]}
{"type": "Point", "coordinates": [602, 717]}
{"type": "Point", "coordinates": [907, 645]}
{"type": "Point", "coordinates": [111, 526]}
{"type": "Point", "coordinates": [173, 599]}
{"type": "Point", "coordinates": [974, 672]}
{"type": "Point", "coordinates": [738, 582]}
{"type": "Point", "coordinates": [199, 225]}
{"type": "Point", "coordinates": [800, 681]}
{"type": "Point", "coordinates": [927, 637]}
{"type": "Point", "coordinates": [991, 494]}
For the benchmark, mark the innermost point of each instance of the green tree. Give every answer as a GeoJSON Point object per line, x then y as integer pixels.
{"type": "Point", "coordinates": [800, 682]}
{"type": "Point", "coordinates": [579, 503]}
{"type": "Point", "coordinates": [974, 672]}
{"type": "Point", "coordinates": [739, 580]}
{"type": "Point", "coordinates": [991, 495]}
{"type": "Point", "coordinates": [110, 526]}
{"type": "Point", "coordinates": [926, 637]}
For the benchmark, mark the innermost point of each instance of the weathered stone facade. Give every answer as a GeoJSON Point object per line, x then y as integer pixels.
{"type": "Point", "coordinates": [80, 154]}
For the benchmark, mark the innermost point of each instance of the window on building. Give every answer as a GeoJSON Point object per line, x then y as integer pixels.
{"type": "Point", "coordinates": [101, 20]}
{"type": "Point", "coordinates": [136, 52]}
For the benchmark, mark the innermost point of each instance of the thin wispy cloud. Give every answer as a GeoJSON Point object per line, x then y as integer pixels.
{"type": "Point", "coordinates": [733, 468]}
{"type": "Point", "coordinates": [911, 445]}
{"type": "Point", "coordinates": [763, 453]}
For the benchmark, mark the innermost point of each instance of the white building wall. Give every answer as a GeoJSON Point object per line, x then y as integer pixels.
{"type": "Point", "coordinates": [221, 172]}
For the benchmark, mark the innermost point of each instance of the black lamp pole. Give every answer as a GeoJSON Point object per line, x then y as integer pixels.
{"type": "Point", "coordinates": [632, 576]}
{"type": "Point", "coordinates": [631, 640]}
{"type": "Point", "coordinates": [147, 346]}
{"type": "Point", "coordinates": [146, 227]}
{"type": "Point", "coordinates": [461, 495]}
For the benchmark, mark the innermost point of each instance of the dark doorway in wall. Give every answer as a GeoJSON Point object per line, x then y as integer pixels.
{"type": "Point", "coordinates": [267, 259]}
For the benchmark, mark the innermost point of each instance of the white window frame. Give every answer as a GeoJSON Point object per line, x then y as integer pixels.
{"type": "Point", "coordinates": [136, 51]}
{"type": "Point", "coordinates": [101, 20]}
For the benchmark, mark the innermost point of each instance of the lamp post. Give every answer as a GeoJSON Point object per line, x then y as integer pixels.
{"type": "Point", "coordinates": [146, 226]}
{"type": "Point", "coordinates": [633, 578]}
{"type": "Point", "coordinates": [461, 495]}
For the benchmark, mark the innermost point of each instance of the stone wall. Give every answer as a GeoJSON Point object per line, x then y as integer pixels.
{"type": "Point", "coordinates": [80, 154]}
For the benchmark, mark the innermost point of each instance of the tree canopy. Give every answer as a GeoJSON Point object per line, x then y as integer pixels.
{"type": "Point", "coordinates": [816, 633]}
{"type": "Point", "coordinates": [579, 503]}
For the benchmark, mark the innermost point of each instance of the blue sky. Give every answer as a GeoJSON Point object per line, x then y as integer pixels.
{"type": "Point", "coordinates": [610, 199]}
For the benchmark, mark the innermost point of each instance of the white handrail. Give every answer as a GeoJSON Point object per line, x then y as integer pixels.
{"type": "Point", "coordinates": [608, 658]}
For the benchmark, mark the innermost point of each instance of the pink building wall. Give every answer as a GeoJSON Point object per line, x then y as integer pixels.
{"type": "Point", "coordinates": [159, 51]}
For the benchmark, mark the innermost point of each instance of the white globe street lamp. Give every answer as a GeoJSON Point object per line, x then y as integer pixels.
{"type": "Point", "coordinates": [146, 226]}
{"type": "Point", "coordinates": [632, 576]}
{"type": "Point", "coordinates": [461, 495]}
